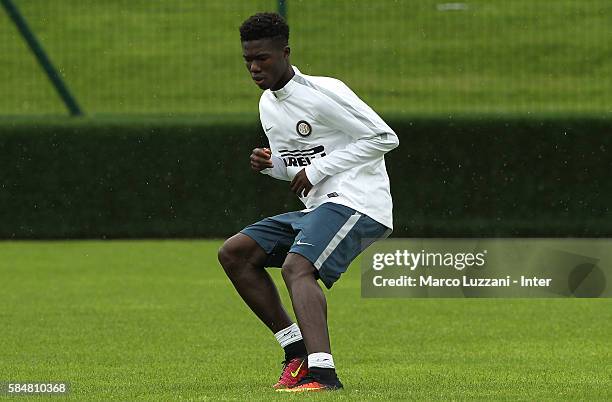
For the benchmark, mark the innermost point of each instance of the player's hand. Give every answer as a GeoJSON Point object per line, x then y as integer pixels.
{"type": "Point", "coordinates": [300, 183]}
{"type": "Point", "coordinates": [260, 159]}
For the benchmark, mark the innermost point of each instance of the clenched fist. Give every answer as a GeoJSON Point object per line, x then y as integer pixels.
{"type": "Point", "coordinates": [260, 159]}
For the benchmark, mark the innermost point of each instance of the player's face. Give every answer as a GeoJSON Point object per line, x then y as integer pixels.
{"type": "Point", "coordinates": [266, 61]}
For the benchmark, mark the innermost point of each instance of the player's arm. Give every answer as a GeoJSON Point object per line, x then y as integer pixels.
{"type": "Point", "coordinates": [263, 161]}
{"type": "Point", "coordinates": [372, 137]}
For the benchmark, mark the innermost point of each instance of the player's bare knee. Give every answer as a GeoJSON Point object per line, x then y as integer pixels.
{"type": "Point", "coordinates": [228, 255]}
{"type": "Point", "coordinates": [293, 271]}
{"type": "Point", "coordinates": [240, 252]}
{"type": "Point", "coordinates": [287, 271]}
{"type": "Point", "coordinates": [224, 257]}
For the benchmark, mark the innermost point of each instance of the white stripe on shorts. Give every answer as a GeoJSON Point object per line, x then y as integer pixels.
{"type": "Point", "coordinates": [352, 220]}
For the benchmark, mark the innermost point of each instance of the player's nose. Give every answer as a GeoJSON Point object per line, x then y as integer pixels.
{"type": "Point", "coordinates": [254, 68]}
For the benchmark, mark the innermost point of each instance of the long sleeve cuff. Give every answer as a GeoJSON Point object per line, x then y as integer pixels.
{"type": "Point", "coordinates": [279, 171]}
{"type": "Point", "coordinates": [314, 175]}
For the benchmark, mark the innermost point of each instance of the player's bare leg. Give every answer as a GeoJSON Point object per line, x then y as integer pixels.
{"type": "Point", "coordinates": [308, 301]}
{"type": "Point", "coordinates": [243, 261]}
{"type": "Point", "coordinates": [310, 308]}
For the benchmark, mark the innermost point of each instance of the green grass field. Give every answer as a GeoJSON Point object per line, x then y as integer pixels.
{"type": "Point", "coordinates": [157, 320]}
{"type": "Point", "coordinates": [404, 57]}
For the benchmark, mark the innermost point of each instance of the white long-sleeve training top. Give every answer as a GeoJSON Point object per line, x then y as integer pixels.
{"type": "Point", "coordinates": [319, 124]}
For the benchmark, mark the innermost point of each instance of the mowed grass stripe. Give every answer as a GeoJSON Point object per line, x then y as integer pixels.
{"type": "Point", "coordinates": [158, 320]}
{"type": "Point", "coordinates": [403, 57]}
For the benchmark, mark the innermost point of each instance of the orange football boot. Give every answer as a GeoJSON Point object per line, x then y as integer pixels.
{"type": "Point", "coordinates": [293, 372]}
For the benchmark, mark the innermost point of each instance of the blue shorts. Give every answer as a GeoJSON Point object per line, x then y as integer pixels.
{"type": "Point", "coordinates": [330, 237]}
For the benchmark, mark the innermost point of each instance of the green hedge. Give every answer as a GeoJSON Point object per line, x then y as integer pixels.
{"type": "Point", "coordinates": [450, 177]}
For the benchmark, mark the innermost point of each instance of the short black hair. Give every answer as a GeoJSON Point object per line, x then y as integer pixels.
{"type": "Point", "coordinates": [265, 26]}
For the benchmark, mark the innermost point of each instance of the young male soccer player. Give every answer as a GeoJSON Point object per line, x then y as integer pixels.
{"type": "Point", "coordinates": [330, 145]}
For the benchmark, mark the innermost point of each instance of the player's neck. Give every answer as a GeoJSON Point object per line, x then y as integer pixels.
{"type": "Point", "coordinates": [284, 79]}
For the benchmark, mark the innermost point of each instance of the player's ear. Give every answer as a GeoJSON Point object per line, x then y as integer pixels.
{"type": "Point", "coordinates": [286, 51]}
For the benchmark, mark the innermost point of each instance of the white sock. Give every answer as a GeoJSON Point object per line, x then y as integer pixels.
{"type": "Point", "coordinates": [321, 360]}
{"type": "Point", "coordinates": [288, 335]}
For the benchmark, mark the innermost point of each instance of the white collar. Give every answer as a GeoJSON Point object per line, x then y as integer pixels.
{"type": "Point", "coordinates": [285, 91]}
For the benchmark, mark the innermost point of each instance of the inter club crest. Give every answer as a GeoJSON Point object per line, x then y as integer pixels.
{"type": "Point", "coordinates": [303, 128]}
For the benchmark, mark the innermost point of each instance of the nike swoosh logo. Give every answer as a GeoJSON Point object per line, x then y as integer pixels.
{"type": "Point", "coordinates": [301, 243]}
{"type": "Point", "coordinates": [268, 128]}
{"type": "Point", "coordinates": [296, 372]}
